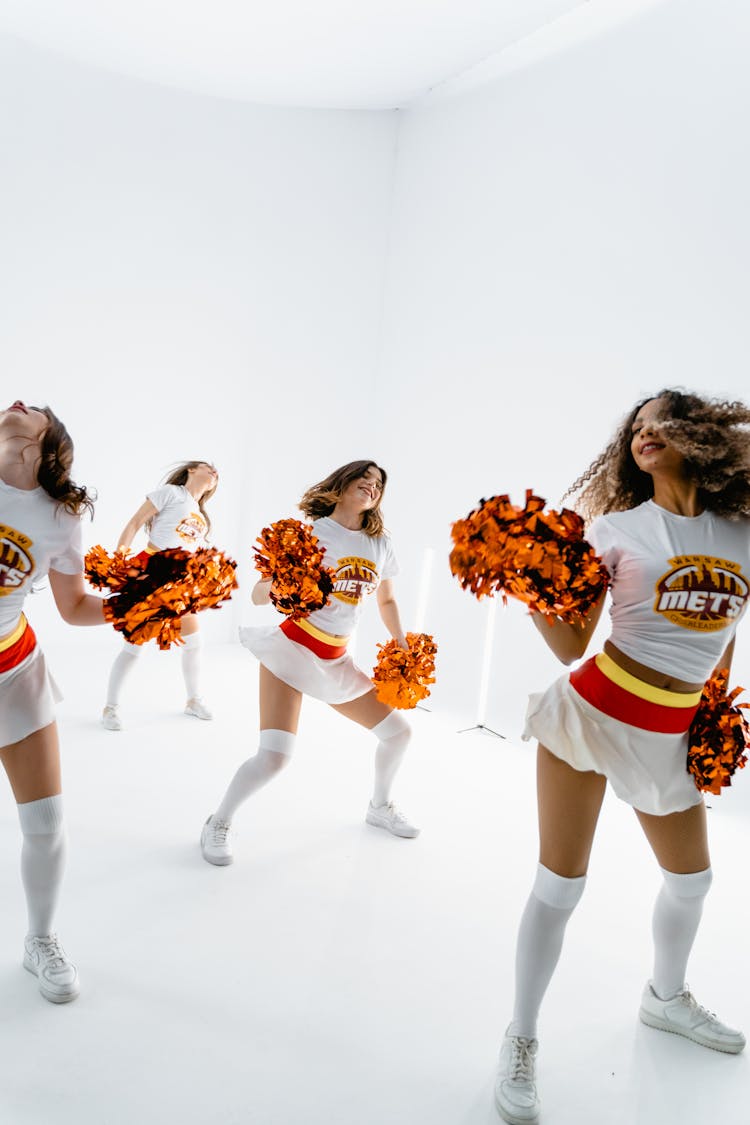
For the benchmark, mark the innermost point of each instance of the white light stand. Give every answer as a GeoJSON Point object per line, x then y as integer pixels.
{"type": "Point", "coordinates": [484, 681]}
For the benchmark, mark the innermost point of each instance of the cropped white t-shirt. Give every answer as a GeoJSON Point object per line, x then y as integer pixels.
{"type": "Point", "coordinates": [679, 585]}
{"type": "Point", "coordinates": [360, 563]}
{"type": "Point", "coordinates": [36, 536]}
{"type": "Point", "coordinates": [179, 521]}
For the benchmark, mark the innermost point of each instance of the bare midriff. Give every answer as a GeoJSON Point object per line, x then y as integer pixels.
{"type": "Point", "coordinates": [648, 675]}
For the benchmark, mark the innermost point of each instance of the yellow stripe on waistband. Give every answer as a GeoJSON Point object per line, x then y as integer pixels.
{"type": "Point", "coordinates": [623, 679]}
{"type": "Point", "coordinates": [327, 638]}
{"type": "Point", "coordinates": [15, 636]}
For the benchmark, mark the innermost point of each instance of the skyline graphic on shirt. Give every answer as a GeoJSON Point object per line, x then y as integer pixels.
{"type": "Point", "coordinates": [702, 592]}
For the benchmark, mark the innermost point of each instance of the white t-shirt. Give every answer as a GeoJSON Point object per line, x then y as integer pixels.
{"type": "Point", "coordinates": [35, 536]}
{"type": "Point", "coordinates": [679, 585]}
{"type": "Point", "coordinates": [360, 563]}
{"type": "Point", "coordinates": [179, 521]}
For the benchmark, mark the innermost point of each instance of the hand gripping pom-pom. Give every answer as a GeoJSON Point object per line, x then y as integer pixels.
{"type": "Point", "coordinates": [541, 558]}
{"type": "Point", "coordinates": [287, 552]}
{"type": "Point", "coordinates": [151, 595]}
{"type": "Point", "coordinates": [401, 676]}
{"type": "Point", "coordinates": [719, 736]}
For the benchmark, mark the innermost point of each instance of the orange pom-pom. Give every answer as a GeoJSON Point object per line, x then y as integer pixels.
{"type": "Point", "coordinates": [287, 552]}
{"type": "Point", "coordinates": [401, 676]}
{"type": "Point", "coordinates": [719, 736]}
{"type": "Point", "coordinates": [541, 558]}
{"type": "Point", "coordinates": [151, 595]}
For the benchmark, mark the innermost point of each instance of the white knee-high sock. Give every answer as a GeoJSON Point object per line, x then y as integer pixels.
{"type": "Point", "coordinates": [540, 938]}
{"type": "Point", "coordinates": [393, 734]}
{"type": "Point", "coordinates": [121, 669]}
{"type": "Point", "coordinates": [274, 752]}
{"type": "Point", "coordinates": [191, 664]}
{"type": "Point", "coordinates": [42, 860]}
{"type": "Point", "coordinates": [677, 914]}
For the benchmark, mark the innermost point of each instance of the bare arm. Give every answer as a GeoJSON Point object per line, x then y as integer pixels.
{"type": "Point", "coordinates": [261, 592]}
{"type": "Point", "coordinates": [569, 642]}
{"type": "Point", "coordinates": [74, 604]}
{"type": "Point", "coordinates": [146, 512]}
{"type": "Point", "coordinates": [389, 612]}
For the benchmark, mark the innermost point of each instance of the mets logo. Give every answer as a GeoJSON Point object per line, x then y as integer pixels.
{"type": "Point", "coordinates": [192, 528]}
{"type": "Point", "coordinates": [701, 592]}
{"type": "Point", "coordinates": [16, 562]}
{"type": "Point", "coordinates": [355, 578]}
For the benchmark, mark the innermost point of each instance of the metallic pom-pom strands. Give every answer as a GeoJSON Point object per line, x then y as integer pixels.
{"type": "Point", "coordinates": [402, 677]}
{"type": "Point", "coordinates": [719, 736]}
{"type": "Point", "coordinates": [149, 596]}
{"type": "Point", "coordinates": [287, 552]}
{"type": "Point", "coordinates": [541, 558]}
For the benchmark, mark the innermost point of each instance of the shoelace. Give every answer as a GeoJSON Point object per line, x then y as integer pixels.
{"type": "Point", "coordinates": [219, 831]}
{"type": "Point", "coordinates": [52, 952]}
{"type": "Point", "coordinates": [696, 1007]}
{"type": "Point", "coordinates": [394, 814]}
{"type": "Point", "coordinates": [522, 1060]}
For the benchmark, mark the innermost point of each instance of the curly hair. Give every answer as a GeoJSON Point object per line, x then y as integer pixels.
{"type": "Point", "coordinates": [711, 434]}
{"type": "Point", "coordinates": [55, 463]}
{"type": "Point", "coordinates": [181, 475]}
{"type": "Point", "coordinates": [322, 498]}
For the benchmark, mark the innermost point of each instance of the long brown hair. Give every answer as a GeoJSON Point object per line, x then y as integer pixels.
{"type": "Point", "coordinates": [711, 434]}
{"type": "Point", "coordinates": [322, 498]}
{"type": "Point", "coordinates": [180, 475]}
{"type": "Point", "coordinates": [55, 463]}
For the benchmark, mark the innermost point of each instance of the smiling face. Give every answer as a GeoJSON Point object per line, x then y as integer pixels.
{"type": "Point", "coordinates": [651, 450]}
{"type": "Point", "coordinates": [203, 478]}
{"type": "Point", "coordinates": [20, 420]}
{"type": "Point", "coordinates": [366, 490]}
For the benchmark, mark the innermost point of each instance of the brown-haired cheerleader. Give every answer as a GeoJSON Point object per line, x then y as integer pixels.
{"type": "Point", "coordinates": [670, 501]}
{"type": "Point", "coordinates": [40, 533]}
{"type": "Point", "coordinates": [174, 516]}
{"type": "Point", "coordinates": [309, 656]}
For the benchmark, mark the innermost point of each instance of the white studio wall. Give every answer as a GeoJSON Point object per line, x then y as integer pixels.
{"type": "Point", "coordinates": [568, 234]}
{"type": "Point", "coordinates": [185, 277]}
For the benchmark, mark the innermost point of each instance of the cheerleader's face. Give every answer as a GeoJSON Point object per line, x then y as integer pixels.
{"type": "Point", "coordinates": [651, 451]}
{"type": "Point", "coordinates": [204, 478]}
{"type": "Point", "coordinates": [20, 420]}
{"type": "Point", "coordinates": [365, 491]}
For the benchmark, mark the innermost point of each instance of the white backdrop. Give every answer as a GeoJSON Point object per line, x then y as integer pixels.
{"type": "Point", "coordinates": [471, 291]}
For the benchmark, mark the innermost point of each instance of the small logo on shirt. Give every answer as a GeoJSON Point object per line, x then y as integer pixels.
{"type": "Point", "coordinates": [16, 561]}
{"type": "Point", "coordinates": [355, 578]}
{"type": "Point", "coordinates": [701, 592]}
{"type": "Point", "coordinates": [192, 528]}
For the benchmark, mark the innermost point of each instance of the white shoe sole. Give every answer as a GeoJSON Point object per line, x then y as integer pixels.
{"type": "Point", "coordinates": [47, 993]}
{"type": "Point", "coordinates": [408, 833]}
{"type": "Point", "coordinates": [695, 1037]}
{"type": "Point", "coordinates": [218, 860]}
{"type": "Point", "coordinates": [513, 1118]}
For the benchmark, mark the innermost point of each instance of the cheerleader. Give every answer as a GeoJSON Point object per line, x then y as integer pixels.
{"type": "Point", "coordinates": [174, 516]}
{"type": "Point", "coordinates": [40, 533]}
{"type": "Point", "coordinates": [309, 657]}
{"type": "Point", "coordinates": [672, 497]}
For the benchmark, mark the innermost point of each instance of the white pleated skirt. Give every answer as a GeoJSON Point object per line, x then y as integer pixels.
{"type": "Point", "coordinates": [332, 681]}
{"type": "Point", "coordinates": [28, 694]}
{"type": "Point", "coordinates": [646, 769]}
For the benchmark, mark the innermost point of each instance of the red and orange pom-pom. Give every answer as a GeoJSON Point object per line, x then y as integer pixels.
{"type": "Point", "coordinates": [287, 552]}
{"type": "Point", "coordinates": [402, 677]}
{"type": "Point", "coordinates": [151, 595]}
{"type": "Point", "coordinates": [719, 736]}
{"type": "Point", "coordinates": [541, 558]}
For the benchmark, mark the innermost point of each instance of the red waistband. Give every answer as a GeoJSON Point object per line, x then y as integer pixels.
{"type": "Point", "coordinates": [12, 656]}
{"type": "Point", "coordinates": [613, 700]}
{"type": "Point", "coordinates": [292, 630]}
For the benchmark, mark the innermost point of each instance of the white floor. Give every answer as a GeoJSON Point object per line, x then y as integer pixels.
{"type": "Point", "coordinates": [334, 973]}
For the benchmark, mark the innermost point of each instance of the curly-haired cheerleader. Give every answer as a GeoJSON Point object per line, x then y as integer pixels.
{"type": "Point", "coordinates": [174, 516]}
{"type": "Point", "coordinates": [672, 497]}
{"type": "Point", "coordinates": [40, 532]}
{"type": "Point", "coordinates": [309, 657]}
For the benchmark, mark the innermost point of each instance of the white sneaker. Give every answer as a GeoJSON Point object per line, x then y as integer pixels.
{"type": "Point", "coordinates": [198, 709]}
{"type": "Point", "coordinates": [111, 719]}
{"type": "Point", "coordinates": [683, 1015]}
{"type": "Point", "coordinates": [515, 1085]}
{"type": "Point", "coordinates": [215, 843]}
{"type": "Point", "coordinates": [47, 960]}
{"type": "Point", "coordinates": [388, 817]}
